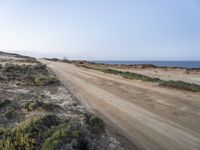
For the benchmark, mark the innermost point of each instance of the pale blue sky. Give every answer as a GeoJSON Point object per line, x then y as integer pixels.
{"type": "Point", "coordinates": [102, 29]}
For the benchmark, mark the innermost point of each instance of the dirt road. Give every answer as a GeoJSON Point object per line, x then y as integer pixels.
{"type": "Point", "coordinates": [153, 117]}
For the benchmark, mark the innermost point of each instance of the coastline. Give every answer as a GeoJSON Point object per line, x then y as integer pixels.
{"type": "Point", "coordinates": [162, 64]}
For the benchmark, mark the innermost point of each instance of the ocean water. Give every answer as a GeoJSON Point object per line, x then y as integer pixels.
{"type": "Point", "coordinates": [184, 64]}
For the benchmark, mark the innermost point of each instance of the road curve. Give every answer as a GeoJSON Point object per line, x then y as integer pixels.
{"type": "Point", "coordinates": [155, 118]}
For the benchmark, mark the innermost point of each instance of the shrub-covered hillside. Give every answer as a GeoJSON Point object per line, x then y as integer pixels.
{"type": "Point", "coordinates": [38, 112]}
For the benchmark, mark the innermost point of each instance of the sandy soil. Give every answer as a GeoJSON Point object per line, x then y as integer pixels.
{"type": "Point", "coordinates": [150, 116]}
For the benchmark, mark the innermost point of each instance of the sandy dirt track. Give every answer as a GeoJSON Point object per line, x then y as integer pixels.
{"type": "Point", "coordinates": [150, 116]}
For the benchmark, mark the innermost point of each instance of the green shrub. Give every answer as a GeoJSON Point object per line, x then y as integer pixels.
{"type": "Point", "coordinates": [10, 114]}
{"type": "Point", "coordinates": [48, 133]}
{"type": "Point", "coordinates": [15, 138]}
{"type": "Point", "coordinates": [31, 105]}
{"type": "Point", "coordinates": [76, 134]}
{"type": "Point", "coordinates": [28, 135]}
{"type": "Point", "coordinates": [96, 124]}
{"type": "Point", "coordinates": [4, 103]}
{"type": "Point", "coordinates": [40, 124]}
{"type": "Point", "coordinates": [57, 139]}
{"type": "Point", "coordinates": [64, 134]}
{"type": "Point", "coordinates": [181, 85]}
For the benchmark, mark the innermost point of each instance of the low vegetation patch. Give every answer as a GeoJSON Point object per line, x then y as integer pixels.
{"type": "Point", "coordinates": [35, 114]}
{"type": "Point", "coordinates": [65, 135]}
{"type": "Point", "coordinates": [135, 76]}
{"type": "Point", "coordinates": [32, 75]}
{"type": "Point", "coordinates": [10, 114]}
{"type": "Point", "coordinates": [68, 136]}
{"type": "Point", "coordinates": [48, 133]}
{"type": "Point", "coordinates": [15, 138]}
{"type": "Point", "coordinates": [96, 124]}
{"type": "Point", "coordinates": [22, 72]}
{"type": "Point", "coordinates": [131, 75]}
{"type": "Point", "coordinates": [112, 71]}
{"type": "Point", "coordinates": [58, 60]}
{"type": "Point", "coordinates": [32, 105]}
{"type": "Point", "coordinates": [174, 84]}
{"type": "Point", "coordinates": [41, 81]}
{"type": "Point", "coordinates": [56, 140]}
{"type": "Point", "coordinates": [40, 124]}
{"type": "Point", "coordinates": [4, 103]}
{"type": "Point", "coordinates": [28, 135]}
{"type": "Point", "coordinates": [46, 80]}
{"type": "Point", "coordinates": [181, 85]}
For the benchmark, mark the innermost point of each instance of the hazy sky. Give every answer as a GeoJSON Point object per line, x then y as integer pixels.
{"type": "Point", "coordinates": [102, 29]}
